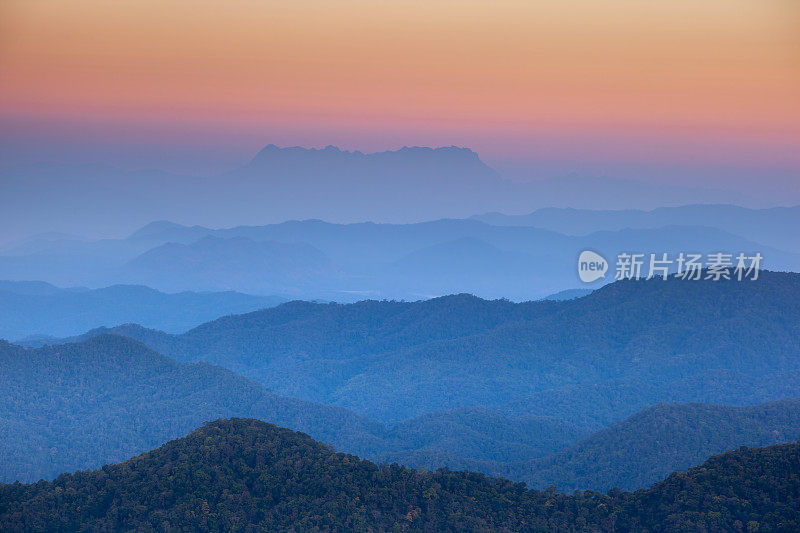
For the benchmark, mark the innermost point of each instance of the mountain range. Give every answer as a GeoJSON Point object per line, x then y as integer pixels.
{"type": "Point", "coordinates": [77, 406]}
{"type": "Point", "coordinates": [105, 397]}
{"type": "Point", "coordinates": [36, 312]}
{"type": "Point", "coordinates": [296, 183]}
{"type": "Point", "coordinates": [591, 361]}
{"type": "Point", "coordinates": [316, 260]}
{"type": "Point", "coordinates": [773, 227]}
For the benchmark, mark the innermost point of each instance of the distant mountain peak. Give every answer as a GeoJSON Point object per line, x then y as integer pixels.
{"type": "Point", "coordinates": [155, 226]}
{"type": "Point", "coordinates": [159, 228]}
{"type": "Point", "coordinates": [271, 149]}
{"type": "Point", "coordinates": [299, 154]}
{"type": "Point", "coordinates": [274, 148]}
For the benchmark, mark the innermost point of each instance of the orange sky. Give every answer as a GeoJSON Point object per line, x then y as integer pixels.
{"type": "Point", "coordinates": [497, 75]}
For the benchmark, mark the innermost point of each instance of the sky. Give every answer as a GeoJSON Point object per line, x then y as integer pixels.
{"type": "Point", "coordinates": [677, 91]}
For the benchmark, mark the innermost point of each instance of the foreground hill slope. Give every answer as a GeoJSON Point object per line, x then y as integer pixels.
{"type": "Point", "coordinates": [243, 473]}
{"type": "Point", "coordinates": [750, 489]}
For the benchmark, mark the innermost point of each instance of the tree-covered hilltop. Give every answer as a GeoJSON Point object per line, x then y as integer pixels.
{"type": "Point", "coordinates": [247, 475]}
{"type": "Point", "coordinates": [750, 489]}
{"type": "Point", "coordinates": [592, 361]}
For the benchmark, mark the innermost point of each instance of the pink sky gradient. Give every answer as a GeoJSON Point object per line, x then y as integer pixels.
{"type": "Point", "coordinates": [547, 87]}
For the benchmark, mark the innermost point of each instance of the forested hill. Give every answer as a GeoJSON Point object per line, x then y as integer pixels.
{"type": "Point", "coordinates": [83, 405]}
{"type": "Point", "coordinates": [652, 444]}
{"type": "Point", "coordinates": [240, 474]}
{"type": "Point", "coordinates": [592, 361]}
{"type": "Point", "coordinates": [75, 406]}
